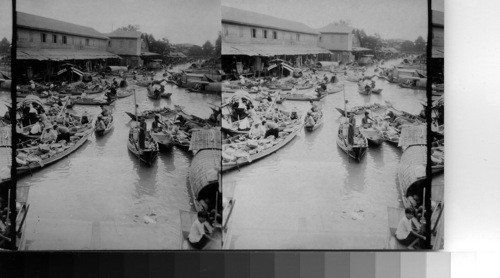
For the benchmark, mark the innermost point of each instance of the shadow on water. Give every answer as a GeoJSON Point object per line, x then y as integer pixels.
{"type": "Point", "coordinates": [355, 178]}
{"type": "Point", "coordinates": [168, 158]}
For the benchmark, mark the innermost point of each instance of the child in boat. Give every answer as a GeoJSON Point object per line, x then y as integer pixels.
{"type": "Point", "coordinates": [406, 232]}
{"type": "Point", "coordinates": [198, 232]}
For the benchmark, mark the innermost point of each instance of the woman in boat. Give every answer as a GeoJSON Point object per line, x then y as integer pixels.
{"type": "Point", "coordinates": [310, 119]}
{"type": "Point", "coordinates": [406, 233]}
{"type": "Point", "coordinates": [100, 124]}
{"type": "Point", "coordinates": [142, 133]}
{"type": "Point", "coordinates": [85, 118]}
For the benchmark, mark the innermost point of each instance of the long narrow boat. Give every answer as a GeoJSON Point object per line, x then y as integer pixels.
{"type": "Point", "coordinates": [164, 140]}
{"type": "Point", "coordinates": [123, 93]}
{"type": "Point", "coordinates": [33, 166]}
{"type": "Point", "coordinates": [102, 132]}
{"type": "Point", "coordinates": [356, 151]}
{"type": "Point", "coordinates": [301, 97]}
{"type": "Point", "coordinates": [91, 101]}
{"type": "Point", "coordinates": [143, 83]}
{"type": "Point", "coordinates": [228, 165]}
{"type": "Point", "coordinates": [147, 155]}
{"type": "Point", "coordinates": [86, 91]}
{"type": "Point", "coordinates": [374, 136]}
{"type": "Point", "coordinates": [152, 94]}
{"type": "Point", "coordinates": [166, 95]}
{"type": "Point", "coordinates": [412, 179]}
{"type": "Point", "coordinates": [316, 125]}
{"type": "Point", "coordinates": [149, 114]}
{"type": "Point", "coordinates": [364, 91]}
{"type": "Point", "coordinates": [334, 90]}
{"type": "Point", "coordinates": [204, 183]}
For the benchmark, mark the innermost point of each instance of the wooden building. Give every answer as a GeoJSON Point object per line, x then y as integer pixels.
{"type": "Point", "coordinates": [133, 50]}
{"type": "Point", "coordinates": [43, 44]}
{"type": "Point", "coordinates": [249, 39]}
{"type": "Point", "coordinates": [340, 40]}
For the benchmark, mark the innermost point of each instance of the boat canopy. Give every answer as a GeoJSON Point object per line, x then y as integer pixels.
{"type": "Point", "coordinates": [204, 174]}
{"type": "Point", "coordinates": [206, 139]}
{"type": "Point", "coordinates": [30, 99]}
{"type": "Point", "coordinates": [413, 135]}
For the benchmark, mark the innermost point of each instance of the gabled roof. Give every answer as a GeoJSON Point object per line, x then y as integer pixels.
{"type": "Point", "coordinates": [52, 25]}
{"type": "Point", "coordinates": [233, 15]}
{"type": "Point", "coordinates": [124, 34]}
{"type": "Point", "coordinates": [335, 28]}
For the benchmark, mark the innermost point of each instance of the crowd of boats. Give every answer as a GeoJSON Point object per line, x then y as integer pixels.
{"type": "Point", "coordinates": [255, 126]}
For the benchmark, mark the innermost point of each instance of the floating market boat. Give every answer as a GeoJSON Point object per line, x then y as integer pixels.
{"type": "Point", "coordinates": [204, 183]}
{"type": "Point", "coordinates": [166, 95]}
{"type": "Point", "coordinates": [149, 114]}
{"type": "Point", "coordinates": [358, 149]}
{"type": "Point", "coordinates": [374, 136]}
{"type": "Point", "coordinates": [92, 101]}
{"type": "Point", "coordinates": [334, 90]}
{"type": "Point", "coordinates": [154, 94]}
{"type": "Point", "coordinates": [229, 163]}
{"type": "Point", "coordinates": [301, 97]}
{"type": "Point", "coordinates": [123, 93]}
{"type": "Point", "coordinates": [29, 164]}
{"type": "Point", "coordinates": [147, 155]}
{"type": "Point", "coordinates": [102, 132]}
{"type": "Point", "coordinates": [163, 138]}
{"type": "Point", "coordinates": [316, 125]}
{"type": "Point", "coordinates": [77, 91]}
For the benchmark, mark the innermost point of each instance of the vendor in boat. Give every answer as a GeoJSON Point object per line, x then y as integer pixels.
{"type": "Point", "coordinates": [366, 121]}
{"type": "Point", "coordinates": [142, 133]}
{"type": "Point", "coordinates": [49, 135]}
{"type": "Point", "coordinates": [62, 133]}
{"type": "Point", "coordinates": [198, 237]}
{"type": "Point", "coordinates": [37, 128]}
{"type": "Point", "coordinates": [100, 124]}
{"type": "Point", "coordinates": [271, 129]}
{"type": "Point", "coordinates": [157, 125]}
{"type": "Point", "coordinates": [407, 231]}
{"type": "Point", "coordinates": [314, 107]}
{"type": "Point", "coordinates": [310, 119]}
{"type": "Point", "coordinates": [350, 130]}
{"type": "Point", "coordinates": [85, 118]}
{"type": "Point", "coordinates": [257, 131]}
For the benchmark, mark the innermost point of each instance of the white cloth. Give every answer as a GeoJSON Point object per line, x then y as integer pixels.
{"type": "Point", "coordinates": [404, 227]}
{"type": "Point", "coordinates": [36, 129]}
{"type": "Point", "coordinates": [197, 231]}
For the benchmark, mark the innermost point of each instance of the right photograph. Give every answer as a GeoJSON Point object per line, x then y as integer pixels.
{"type": "Point", "coordinates": [325, 116]}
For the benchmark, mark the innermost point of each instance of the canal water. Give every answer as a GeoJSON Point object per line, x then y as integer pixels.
{"type": "Point", "coordinates": [309, 194]}
{"type": "Point", "coordinates": [101, 198]}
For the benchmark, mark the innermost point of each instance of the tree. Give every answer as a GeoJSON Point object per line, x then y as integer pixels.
{"type": "Point", "coordinates": [4, 46]}
{"type": "Point", "coordinates": [195, 50]}
{"type": "Point", "coordinates": [407, 46]}
{"type": "Point", "coordinates": [420, 44]}
{"type": "Point", "coordinates": [372, 42]}
{"type": "Point", "coordinates": [157, 46]}
{"type": "Point", "coordinates": [130, 27]}
{"type": "Point", "coordinates": [208, 48]}
{"type": "Point", "coordinates": [218, 46]}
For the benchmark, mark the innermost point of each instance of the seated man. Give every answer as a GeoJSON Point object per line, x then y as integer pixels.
{"type": "Point", "coordinates": [405, 233]}
{"type": "Point", "coordinates": [197, 234]}
{"type": "Point", "coordinates": [365, 119]}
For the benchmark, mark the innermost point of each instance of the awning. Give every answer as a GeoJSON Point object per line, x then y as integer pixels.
{"type": "Point", "coordinates": [149, 54]}
{"type": "Point", "coordinates": [63, 54]}
{"type": "Point", "coordinates": [358, 49]}
{"type": "Point", "coordinates": [270, 50]}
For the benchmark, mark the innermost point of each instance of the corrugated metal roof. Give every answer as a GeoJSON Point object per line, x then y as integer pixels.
{"type": "Point", "coordinates": [335, 28]}
{"type": "Point", "coordinates": [62, 54]}
{"type": "Point", "coordinates": [269, 50]}
{"type": "Point", "coordinates": [206, 139]}
{"type": "Point", "coordinates": [124, 34]}
{"type": "Point", "coordinates": [48, 24]}
{"type": "Point", "coordinates": [234, 15]}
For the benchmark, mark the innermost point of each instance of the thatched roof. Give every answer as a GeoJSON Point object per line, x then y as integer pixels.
{"type": "Point", "coordinates": [206, 139]}
{"type": "Point", "coordinates": [204, 169]}
{"type": "Point", "coordinates": [413, 135]}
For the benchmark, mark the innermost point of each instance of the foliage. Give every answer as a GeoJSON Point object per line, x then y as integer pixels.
{"type": "Point", "coordinates": [161, 47]}
{"type": "Point", "coordinates": [129, 27]}
{"type": "Point", "coordinates": [208, 48]}
{"type": "Point", "coordinates": [420, 44]}
{"type": "Point", "coordinates": [195, 50]}
{"type": "Point", "coordinates": [4, 46]}
{"type": "Point", "coordinates": [407, 46]}
{"type": "Point", "coordinates": [218, 46]}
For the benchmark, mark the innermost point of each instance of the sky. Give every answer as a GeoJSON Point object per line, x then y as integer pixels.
{"type": "Point", "coordinates": [392, 19]}
{"type": "Point", "coordinates": [6, 19]}
{"type": "Point", "coordinates": [180, 21]}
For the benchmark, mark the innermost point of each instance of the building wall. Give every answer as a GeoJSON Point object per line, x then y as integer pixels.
{"type": "Point", "coordinates": [125, 46]}
{"type": "Point", "coordinates": [232, 33]}
{"type": "Point", "coordinates": [33, 39]}
{"type": "Point", "coordinates": [342, 42]}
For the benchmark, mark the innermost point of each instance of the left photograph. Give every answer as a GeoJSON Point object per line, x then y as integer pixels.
{"type": "Point", "coordinates": [8, 208]}
{"type": "Point", "coordinates": [118, 124]}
